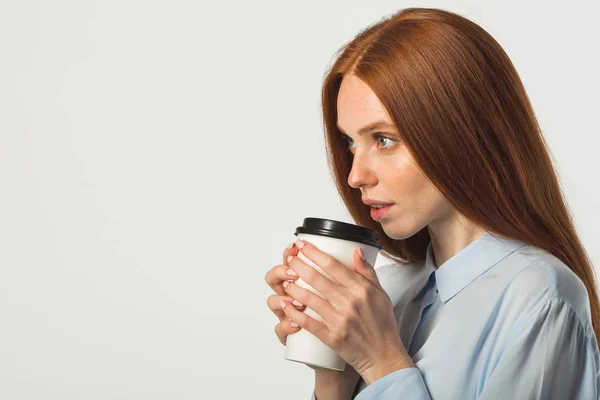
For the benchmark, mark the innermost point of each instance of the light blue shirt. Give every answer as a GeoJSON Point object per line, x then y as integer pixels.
{"type": "Point", "coordinates": [500, 319]}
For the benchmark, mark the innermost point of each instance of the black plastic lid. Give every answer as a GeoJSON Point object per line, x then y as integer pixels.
{"type": "Point", "coordinates": [340, 230]}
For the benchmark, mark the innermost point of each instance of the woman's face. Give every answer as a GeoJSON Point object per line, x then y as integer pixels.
{"type": "Point", "coordinates": [382, 167]}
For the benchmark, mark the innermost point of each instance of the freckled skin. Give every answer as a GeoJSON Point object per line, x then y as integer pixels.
{"type": "Point", "coordinates": [385, 170]}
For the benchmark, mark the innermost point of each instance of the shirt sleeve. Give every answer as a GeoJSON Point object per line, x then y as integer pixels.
{"type": "Point", "coordinates": [550, 355]}
{"type": "Point", "coordinates": [405, 384]}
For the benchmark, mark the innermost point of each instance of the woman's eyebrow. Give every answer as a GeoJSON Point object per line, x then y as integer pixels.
{"type": "Point", "coordinates": [373, 125]}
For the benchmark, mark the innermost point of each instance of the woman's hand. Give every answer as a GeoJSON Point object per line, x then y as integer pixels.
{"type": "Point", "coordinates": [274, 278]}
{"type": "Point", "coordinates": [341, 383]}
{"type": "Point", "coordinates": [358, 318]}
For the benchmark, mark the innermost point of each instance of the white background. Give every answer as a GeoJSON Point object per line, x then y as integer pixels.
{"type": "Point", "coordinates": [157, 156]}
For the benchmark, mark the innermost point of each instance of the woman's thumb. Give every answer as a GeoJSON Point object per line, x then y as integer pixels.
{"type": "Point", "coordinates": [364, 268]}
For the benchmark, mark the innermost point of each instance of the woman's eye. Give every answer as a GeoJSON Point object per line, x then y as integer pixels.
{"type": "Point", "coordinates": [376, 136]}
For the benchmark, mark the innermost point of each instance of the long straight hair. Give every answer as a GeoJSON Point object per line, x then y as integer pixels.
{"type": "Point", "coordinates": [463, 113]}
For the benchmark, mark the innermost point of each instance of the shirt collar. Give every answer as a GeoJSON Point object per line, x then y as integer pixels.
{"type": "Point", "coordinates": [469, 263]}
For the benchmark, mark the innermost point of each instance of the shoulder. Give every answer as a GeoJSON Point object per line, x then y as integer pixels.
{"type": "Point", "coordinates": [535, 277]}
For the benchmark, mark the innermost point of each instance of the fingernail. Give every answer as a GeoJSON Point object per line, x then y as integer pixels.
{"type": "Point", "coordinates": [299, 243]}
{"type": "Point", "coordinates": [282, 304]}
{"type": "Point", "coordinates": [293, 324]}
{"type": "Point", "coordinates": [291, 272]}
{"type": "Point", "coordinates": [290, 246]}
{"type": "Point", "coordinates": [297, 303]}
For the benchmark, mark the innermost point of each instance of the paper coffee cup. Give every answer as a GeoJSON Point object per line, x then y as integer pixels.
{"type": "Point", "coordinates": [340, 240]}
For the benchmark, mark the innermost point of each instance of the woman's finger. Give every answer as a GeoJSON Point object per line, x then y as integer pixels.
{"type": "Point", "coordinates": [277, 275]}
{"type": "Point", "coordinates": [274, 303]}
{"type": "Point", "coordinates": [283, 329]}
{"type": "Point", "coordinates": [292, 249]}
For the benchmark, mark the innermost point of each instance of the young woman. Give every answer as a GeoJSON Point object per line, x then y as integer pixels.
{"type": "Point", "coordinates": [491, 295]}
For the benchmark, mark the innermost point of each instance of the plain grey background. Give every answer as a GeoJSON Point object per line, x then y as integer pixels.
{"type": "Point", "coordinates": [157, 156]}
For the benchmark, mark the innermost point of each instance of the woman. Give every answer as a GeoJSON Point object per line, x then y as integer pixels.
{"type": "Point", "coordinates": [492, 295]}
